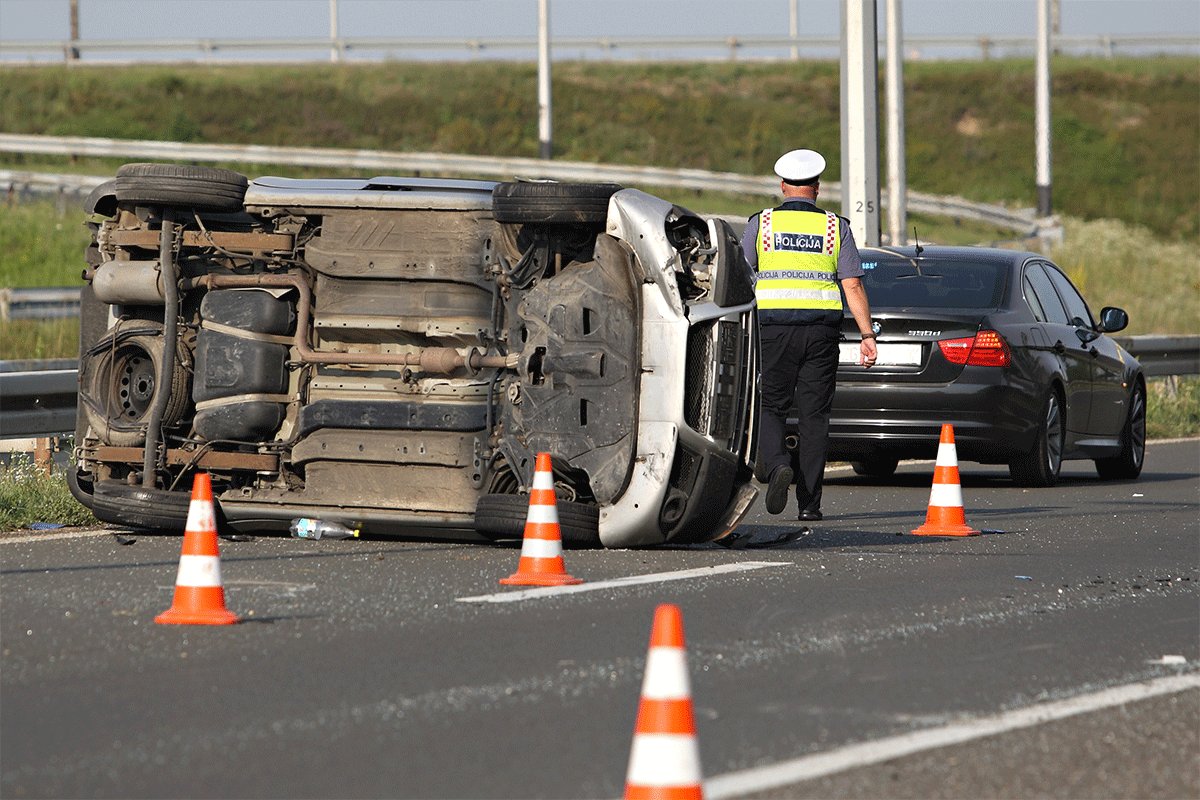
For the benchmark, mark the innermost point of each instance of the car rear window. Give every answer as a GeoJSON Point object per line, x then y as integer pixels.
{"type": "Point", "coordinates": [946, 284]}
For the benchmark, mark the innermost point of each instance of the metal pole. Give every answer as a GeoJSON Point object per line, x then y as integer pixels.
{"type": "Point", "coordinates": [794, 27]}
{"type": "Point", "coordinates": [545, 142]}
{"type": "Point", "coordinates": [73, 52]}
{"type": "Point", "coordinates": [860, 135]}
{"type": "Point", "coordinates": [897, 179]}
{"type": "Point", "coordinates": [1042, 102]}
{"type": "Point", "coordinates": [334, 54]}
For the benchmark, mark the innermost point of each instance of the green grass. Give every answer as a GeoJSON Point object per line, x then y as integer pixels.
{"type": "Point", "coordinates": [28, 495]}
{"type": "Point", "coordinates": [1114, 264]}
{"type": "Point", "coordinates": [32, 338]}
{"type": "Point", "coordinates": [1173, 407]}
{"type": "Point", "coordinates": [42, 243]}
{"type": "Point", "coordinates": [1126, 131]}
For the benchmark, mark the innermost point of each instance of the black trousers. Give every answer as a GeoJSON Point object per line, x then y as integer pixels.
{"type": "Point", "coordinates": [799, 368]}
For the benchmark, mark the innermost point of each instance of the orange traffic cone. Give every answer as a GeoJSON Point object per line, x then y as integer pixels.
{"type": "Point", "coordinates": [199, 597]}
{"type": "Point", "coordinates": [541, 561]}
{"type": "Point", "coordinates": [945, 516]}
{"type": "Point", "coordinates": [664, 763]}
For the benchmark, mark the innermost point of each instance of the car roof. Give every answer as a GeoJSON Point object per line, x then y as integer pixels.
{"type": "Point", "coordinates": [379, 192]}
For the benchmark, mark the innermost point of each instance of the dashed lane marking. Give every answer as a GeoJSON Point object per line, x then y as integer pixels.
{"type": "Point", "coordinates": [632, 580]}
{"type": "Point", "coordinates": [818, 765]}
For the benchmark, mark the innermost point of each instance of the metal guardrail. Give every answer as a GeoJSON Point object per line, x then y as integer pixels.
{"type": "Point", "coordinates": [37, 398]}
{"type": "Point", "coordinates": [46, 303]}
{"type": "Point", "coordinates": [1022, 222]}
{"type": "Point", "coordinates": [1164, 355]}
{"type": "Point", "coordinates": [734, 47]}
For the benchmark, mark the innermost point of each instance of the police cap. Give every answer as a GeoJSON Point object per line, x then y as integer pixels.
{"type": "Point", "coordinates": [800, 166]}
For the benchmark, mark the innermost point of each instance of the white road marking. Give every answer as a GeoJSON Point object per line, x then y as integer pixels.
{"type": "Point", "coordinates": [632, 580]}
{"type": "Point", "coordinates": [818, 765]}
{"type": "Point", "coordinates": [52, 536]}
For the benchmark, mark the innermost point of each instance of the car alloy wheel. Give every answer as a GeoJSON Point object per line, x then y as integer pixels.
{"type": "Point", "coordinates": [1041, 465]}
{"type": "Point", "coordinates": [1127, 464]}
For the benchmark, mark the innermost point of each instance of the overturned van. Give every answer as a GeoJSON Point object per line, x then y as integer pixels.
{"type": "Point", "coordinates": [394, 352]}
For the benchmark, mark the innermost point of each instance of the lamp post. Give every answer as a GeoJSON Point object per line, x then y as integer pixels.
{"type": "Point", "coordinates": [860, 135]}
{"type": "Point", "coordinates": [897, 179]}
{"type": "Point", "coordinates": [545, 146]}
{"type": "Point", "coordinates": [1042, 104]}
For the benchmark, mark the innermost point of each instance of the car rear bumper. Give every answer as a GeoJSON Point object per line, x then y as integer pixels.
{"type": "Point", "coordinates": [993, 421]}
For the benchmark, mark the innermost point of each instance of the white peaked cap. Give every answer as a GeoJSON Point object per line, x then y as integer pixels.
{"type": "Point", "coordinates": [800, 165]}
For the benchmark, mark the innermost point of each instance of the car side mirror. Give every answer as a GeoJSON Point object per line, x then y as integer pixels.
{"type": "Point", "coordinates": [1113, 319]}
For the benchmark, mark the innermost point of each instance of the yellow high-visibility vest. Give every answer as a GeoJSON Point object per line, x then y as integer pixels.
{"type": "Point", "coordinates": [797, 260]}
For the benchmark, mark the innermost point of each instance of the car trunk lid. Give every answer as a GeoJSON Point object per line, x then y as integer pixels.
{"type": "Point", "coordinates": [908, 346]}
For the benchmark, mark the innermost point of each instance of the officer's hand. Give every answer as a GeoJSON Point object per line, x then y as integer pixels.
{"type": "Point", "coordinates": [869, 352]}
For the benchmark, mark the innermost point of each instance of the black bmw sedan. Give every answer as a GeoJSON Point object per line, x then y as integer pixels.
{"type": "Point", "coordinates": [1000, 344]}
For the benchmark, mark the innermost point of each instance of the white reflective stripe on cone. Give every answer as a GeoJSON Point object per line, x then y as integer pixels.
{"type": "Point", "coordinates": [666, 675]}
{"type": "Point", "coordinates": [200, 516]}
{"type": "Point", "coordinates": [544, 514]}
{"type": "Point", "coordinates": [540, 548]}
{"type": "Point", "coordinates": [664, 759]}
{"type": "Point", "coordinates": [198, 571]}
{"type": "Point", "coordinates": [947, 455]}
{"type": "Point", "coordinates": [543, 480]}
{"type": "Point", "coordinates": [946, 495]}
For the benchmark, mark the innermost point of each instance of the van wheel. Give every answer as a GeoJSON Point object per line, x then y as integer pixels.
{"type": "Point", "coordinates": [181, 185]}
{"type": "Point", "coordinates": [139, 507]}
{"type": "Point", "coordinates": [119, 382]}
{"type": "Point", "coordinates": [546, 202]}
{"type": "Point", "coordinates": [502, 516]}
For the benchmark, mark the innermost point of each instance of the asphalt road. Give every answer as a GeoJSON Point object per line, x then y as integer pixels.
{"type": "Point", "coordinates": [841, 660]}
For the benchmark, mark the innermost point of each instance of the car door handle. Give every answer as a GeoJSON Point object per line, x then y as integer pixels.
{"type": "Point", "coordinates": [1059, 347]}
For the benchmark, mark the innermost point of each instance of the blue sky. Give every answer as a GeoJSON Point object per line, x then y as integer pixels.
{"type": "Point", "coordinates": [25, 20]}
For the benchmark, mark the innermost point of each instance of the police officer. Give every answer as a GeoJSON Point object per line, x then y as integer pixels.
{"type": "Point", "coordinates": [801, 254]}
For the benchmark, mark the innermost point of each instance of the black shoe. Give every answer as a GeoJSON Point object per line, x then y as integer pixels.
{"type": "Point", "coordinates": [778, 488]}
{"type": "Point", "coordinates": [811, 516]}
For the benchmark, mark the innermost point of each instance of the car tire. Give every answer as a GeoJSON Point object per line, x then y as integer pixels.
{"type": "Point", "coordinates": [876, 466]}
{"type": "Point", "coordinates": [558, 203]}
{"type": "Point", "coordinates": [118, 384]}
{"type": "Point", "coordinates": [181, 185]}
{"type": "Point", "coordinates": [1040, 466]}
{"type": "Point", "coordinates": [502, 516]}
{"type": "Point", "coordinates": [139, 507]}
{"type": "Point", "coordinates": [1127, 464]}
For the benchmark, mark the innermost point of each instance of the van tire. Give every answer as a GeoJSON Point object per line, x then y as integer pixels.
{"type": "Point", "coordinates": [181, 185]}
{"type": "Point", "coordinates": [546, 202]}
{"type": "Point", "coordinates": [502, 516]}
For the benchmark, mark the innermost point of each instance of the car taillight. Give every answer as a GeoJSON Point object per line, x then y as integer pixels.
{"type": "Point", "coordinates": [984, 349]}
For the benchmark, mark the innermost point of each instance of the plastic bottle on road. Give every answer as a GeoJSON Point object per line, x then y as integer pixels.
{"type": "Point", "coordinates": [308, 528]}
